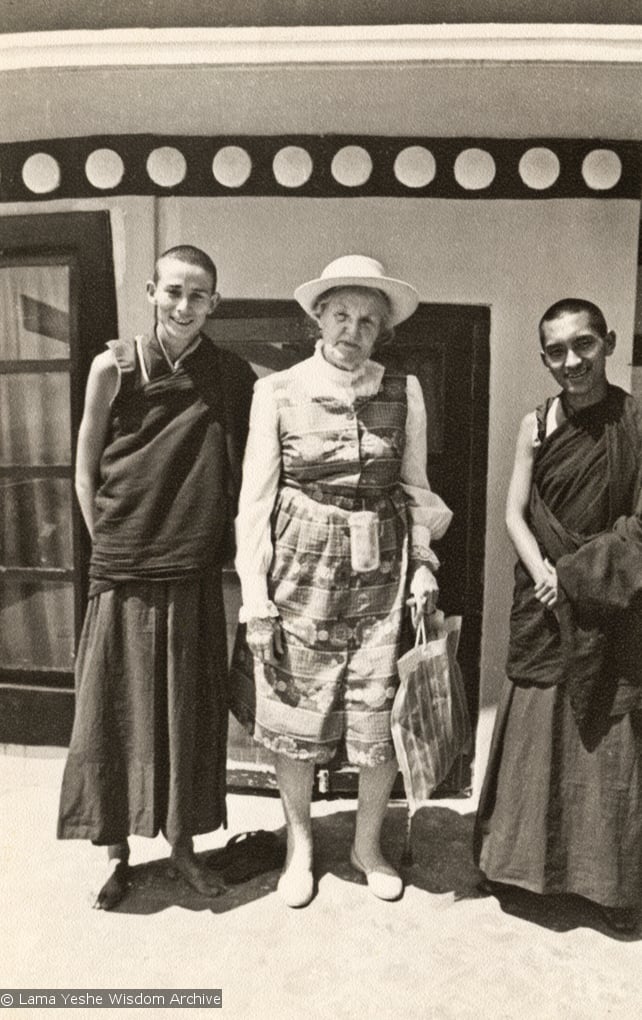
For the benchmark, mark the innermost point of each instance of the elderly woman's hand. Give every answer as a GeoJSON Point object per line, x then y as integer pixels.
{"type": "Point", "coordinates": [424, 590]}
{"type": "Point", "coordinates": [264, 637]}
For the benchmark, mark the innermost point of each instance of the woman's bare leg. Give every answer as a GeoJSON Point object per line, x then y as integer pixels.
{"type": "Point", "coordinates": [375, 784]}
{"type": "Point", "coordinates": [295, 779]}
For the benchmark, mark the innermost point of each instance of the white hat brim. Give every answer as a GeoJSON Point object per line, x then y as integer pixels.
{"type": "Point", "coordinates": [402, 296]}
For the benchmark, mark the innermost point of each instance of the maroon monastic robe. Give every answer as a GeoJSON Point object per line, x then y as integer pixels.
{"type": "Point", "coordinates": [586, 513]}
{"type": "Point", "coordinates": [561, 805]}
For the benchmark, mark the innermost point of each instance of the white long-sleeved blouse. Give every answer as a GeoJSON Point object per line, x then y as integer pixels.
{"type": "Point", "coordinates": [429, 515]}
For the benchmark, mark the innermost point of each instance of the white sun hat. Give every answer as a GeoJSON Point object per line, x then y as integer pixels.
{"type": "Point", "coordinates": [360, 271]}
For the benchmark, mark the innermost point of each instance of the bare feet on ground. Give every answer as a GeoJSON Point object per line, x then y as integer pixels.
{"type": "Point", "coordinates": [115, 888]}
{"type": "Point", "coordinates": [196, 874]}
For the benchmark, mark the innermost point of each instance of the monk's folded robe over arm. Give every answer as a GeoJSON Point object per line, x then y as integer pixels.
{"type": "Point", "coordinates": [602, 583]}
{"type": "Point", "coordinates": [588, 521]}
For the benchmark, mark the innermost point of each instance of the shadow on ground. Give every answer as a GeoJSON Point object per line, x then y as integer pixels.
{"type": "Point", "coordinates": [155, 886]}
{"type": "Point", "coordinates": [440, 842]}
{"type": "Point", "coordinates": [441, 862]}
{"type": "Point", "coordinates": [557, 913]}
{"type": "Point", "coordinates": [441, 845]}
{"type": "Point", "coordinates": [441, 859]}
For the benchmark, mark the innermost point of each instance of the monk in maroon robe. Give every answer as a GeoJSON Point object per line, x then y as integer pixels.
{"type": "Point", "coordinates": [158, 469]}
{"type": "Point", "coordinates": [561, 806]}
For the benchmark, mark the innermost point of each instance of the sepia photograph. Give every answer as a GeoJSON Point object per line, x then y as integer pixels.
{"type": "Point", "coordinates": [321, 508]}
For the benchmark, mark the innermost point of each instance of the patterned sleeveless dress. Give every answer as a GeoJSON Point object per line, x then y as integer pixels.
{"type": "Point", "coordinates": [337, 677]}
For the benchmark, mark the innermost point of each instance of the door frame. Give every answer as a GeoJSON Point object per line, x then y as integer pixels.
{"type": "Point", "coordinates": [463, 334]}
{"type": "Point", "coordinates": [37, 708]}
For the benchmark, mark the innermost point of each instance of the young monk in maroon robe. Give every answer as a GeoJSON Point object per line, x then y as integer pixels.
{"type": "Point", "coordinates": [561, 807]}
{"type": "Point", "coordinates": [158, 467]}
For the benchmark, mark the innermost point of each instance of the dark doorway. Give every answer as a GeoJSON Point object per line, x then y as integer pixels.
{"type": "Point", "coordinates": [58, 308]}
{"type": "Point", "coordinates": [447, 348]}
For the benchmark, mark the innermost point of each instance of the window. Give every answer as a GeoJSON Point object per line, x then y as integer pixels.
{"type": "Point", "coordinates": [37, 625]}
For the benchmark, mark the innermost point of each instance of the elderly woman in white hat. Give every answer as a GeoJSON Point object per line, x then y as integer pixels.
{"type": "Point", "coordinates": [335, 522]}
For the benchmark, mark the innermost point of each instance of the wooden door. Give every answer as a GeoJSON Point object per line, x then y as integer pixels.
{"type": "Point", "coordinates": [447, 348]}
{"type": "Point", "coordinates": [58, 307]}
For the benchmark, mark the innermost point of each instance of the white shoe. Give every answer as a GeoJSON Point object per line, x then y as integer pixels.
{"type": "Point", "coordinates": [385, 885]}
{"type": "Point", "coordinates": [296, 886]}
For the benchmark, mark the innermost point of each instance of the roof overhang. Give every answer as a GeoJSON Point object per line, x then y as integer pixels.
{"type": "Point", "coordinates": [404, 44]}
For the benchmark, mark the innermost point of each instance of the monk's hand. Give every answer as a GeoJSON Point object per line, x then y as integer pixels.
{"type": "Point", "coordinates": [264, 637]}
{"type": "Point", "coordinates": [424, 592]}
{"type": "Point", "coordinates": [546, 586]}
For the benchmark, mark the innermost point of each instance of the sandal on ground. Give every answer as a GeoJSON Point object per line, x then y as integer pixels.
{"type": "Point", "coordinates": [385, 885]}
{"type": "Point", "coordinates": [248, 854]}
{"type": "Point", "coordinates": [115, 888]}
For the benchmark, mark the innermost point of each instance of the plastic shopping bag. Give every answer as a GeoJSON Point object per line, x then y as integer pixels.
{"type": "Point", "coordinates": [430, 720]}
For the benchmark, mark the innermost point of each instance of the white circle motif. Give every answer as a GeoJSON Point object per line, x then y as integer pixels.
{"type": "Point", "coordinates": [41, 173]}
{"type": "Point", "coordinates": [292, 166]}
{"type": "Point", "coordinates": [166, 166]}
{"type": "Point", "coordinates": [415, 166]}
{"type": "Point", "coordinates": [104, 169]}
{"type": "Point", "coordinates": [602, 169]}
{"type": "Point", "coordinates": [231, 166]}
{"type": "Point", "coordinates": [351, 166]}
{"type": "Point", "coordinates": [539, 168]}
{"type": "Point", "coordinates": [474, 169]}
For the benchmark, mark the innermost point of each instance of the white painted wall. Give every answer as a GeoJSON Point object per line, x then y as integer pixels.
{"type": "Point", "coordinates": [134, 239]}
{"type": "Point", "coordinates": [474, 98]}
{"type": "Point", "coordinates": [516, 257]}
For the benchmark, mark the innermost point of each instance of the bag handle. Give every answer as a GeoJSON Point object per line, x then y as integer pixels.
{"type": "Point", "coordinates": [428, 624]}
{"type": "Point", "coordinates": [420, 633]}
{"type": "Point", "coordinates": [424, 623]}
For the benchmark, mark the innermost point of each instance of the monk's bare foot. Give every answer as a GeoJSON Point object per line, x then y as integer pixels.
{"type": "Point", "coordinates": [115, 888]}
{"type": "Point", "coordinates": [196, 874]}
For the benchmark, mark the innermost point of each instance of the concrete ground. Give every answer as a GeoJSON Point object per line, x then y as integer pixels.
{"type": "Point", "coordinates": [442, 952]}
